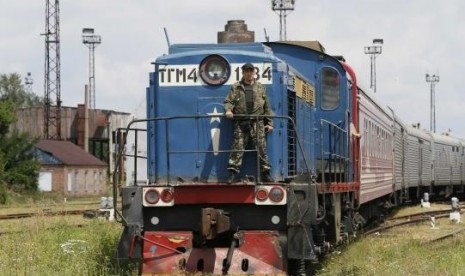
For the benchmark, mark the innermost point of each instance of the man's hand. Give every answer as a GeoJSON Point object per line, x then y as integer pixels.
{"type": "Point", "coordinates": [229, 114]}
{"type": "Point", "coordinates": [268, 128]}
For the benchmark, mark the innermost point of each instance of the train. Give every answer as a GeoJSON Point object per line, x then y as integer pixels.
{"type": "Point", "coordinates": [339, 159]}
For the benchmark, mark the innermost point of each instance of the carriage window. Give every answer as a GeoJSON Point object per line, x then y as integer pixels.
{"type": "Point", "coordinates": [330, 85]}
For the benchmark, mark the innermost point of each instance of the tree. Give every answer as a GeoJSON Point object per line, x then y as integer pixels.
{"type": "Point", "coordinates": [7, 116]}
{"type": "Point", "coordinates": [19, 169]}
{"type": "Point", "coordinates": [11, 88]}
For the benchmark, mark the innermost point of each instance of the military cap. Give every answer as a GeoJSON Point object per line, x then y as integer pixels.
{"type": "Point", "coordinates": [247, 66]}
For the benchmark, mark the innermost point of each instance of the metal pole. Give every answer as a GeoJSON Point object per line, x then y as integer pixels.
{"type": "Point", "coordinates": [432, 79]}
{"type": "Point", "coordinates": [374, 73]}
{"type": "Point", "coordinates": [431, 108]}
{"type": "Point", "coordinates": [372, 59]}
{"type": "Point", "coordinates": [374, 50]}
{"type": "Point", "coordinates": [282, 7]}
{"type": "Point", "coordinates": [434, 106]}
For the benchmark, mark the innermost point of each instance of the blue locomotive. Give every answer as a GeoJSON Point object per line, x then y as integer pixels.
{"type": "Point", "coordinates": [339, 159]}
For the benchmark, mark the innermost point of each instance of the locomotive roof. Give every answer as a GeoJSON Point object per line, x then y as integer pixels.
{"type": "Point", "coordinates": [311, 44]}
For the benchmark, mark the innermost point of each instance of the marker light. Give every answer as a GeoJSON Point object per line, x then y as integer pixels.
{"type": "Point", "coordinates": [270, 195]}
{"type": "Point", "coordinates": [152, 196]}
{"type": "Point", "coordinates": [158, 196]}
{"type": "Point", "coordinates": [167, 195]}
{"type": "Point", "coordinates": [261, 194]}
{"type": "Point", "coordinates": [215, 70]}
{"type": "Point", "coordinates": [276, 194]}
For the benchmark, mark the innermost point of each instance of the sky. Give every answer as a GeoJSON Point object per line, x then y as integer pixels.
{"type": "Point", "coordinates": [420, 36]}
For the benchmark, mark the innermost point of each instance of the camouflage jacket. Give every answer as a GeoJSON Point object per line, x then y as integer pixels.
{"type": "Point", "coordinates": [235, 101]}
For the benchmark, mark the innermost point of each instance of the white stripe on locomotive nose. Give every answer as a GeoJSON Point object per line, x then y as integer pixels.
{"type": "Point", "coordinates": [215, 133]}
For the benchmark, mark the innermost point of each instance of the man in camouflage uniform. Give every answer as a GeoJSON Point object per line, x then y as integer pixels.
{"type": "Point", "coordinates": [248, 97]}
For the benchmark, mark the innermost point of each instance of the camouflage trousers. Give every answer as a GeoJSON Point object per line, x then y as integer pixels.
{"type": "Point", "coordinates": [248, 131]}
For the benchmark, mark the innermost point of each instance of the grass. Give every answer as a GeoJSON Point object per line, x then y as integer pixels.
{"type": "Point", "coordinates": [402, 251]}
{"type": "Point", "coordinates": [53, 246]}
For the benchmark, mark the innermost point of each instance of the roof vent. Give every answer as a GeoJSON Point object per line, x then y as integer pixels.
{"type": "Point", "coordinates": [235, 31]}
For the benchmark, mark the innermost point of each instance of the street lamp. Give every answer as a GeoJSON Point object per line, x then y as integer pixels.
{"type": "Point", "coordinates": [91, 41]}
{"type": "Point", "coordinates": [28, 80]}
{"type": "Point", "coordinates": [373, 51]}
{"type": "Point", "coordinates": [282, 7]}
{"type": "Point", "coordinates": [432, 79]}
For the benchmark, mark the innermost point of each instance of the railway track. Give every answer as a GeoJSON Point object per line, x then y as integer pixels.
{"type": "Point", "coordinates": [445, 236]}
{"type": "Point", "coordinates": [43, 213]}
{"type": "Point", "coordinates": [408, 219]}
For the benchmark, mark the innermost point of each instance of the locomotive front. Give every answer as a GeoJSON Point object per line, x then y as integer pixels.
{"type": "Point", "coordinates": [187, 217]}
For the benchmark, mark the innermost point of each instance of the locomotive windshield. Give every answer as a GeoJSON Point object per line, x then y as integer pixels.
{"type": "Point", "coordinates": [330, 97]}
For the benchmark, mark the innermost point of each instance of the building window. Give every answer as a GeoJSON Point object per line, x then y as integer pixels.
{"type": "Point", "coordinates": [86, 180]}
{"type": "Point", "coordinates": [96, 181]}
{"type": "Point", "coordinates": [76, 181]}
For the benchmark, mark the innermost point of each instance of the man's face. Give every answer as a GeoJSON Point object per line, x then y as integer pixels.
{"type": "Point", "coordinates": [249, 75]}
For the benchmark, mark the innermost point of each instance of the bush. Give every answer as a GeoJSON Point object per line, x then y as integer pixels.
{"type": "Point", "coordinates": [3, 194]}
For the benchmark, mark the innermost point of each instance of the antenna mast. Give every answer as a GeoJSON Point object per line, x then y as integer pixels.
{"type": "Point", "coordinates": [52, 113]}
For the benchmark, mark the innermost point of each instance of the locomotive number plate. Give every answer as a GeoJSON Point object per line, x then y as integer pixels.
{"type": "Point", "coordinates": [188, 75]}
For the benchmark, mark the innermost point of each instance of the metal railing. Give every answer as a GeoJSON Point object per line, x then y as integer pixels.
{"type": "Point", "coordinates": [335, 162]}
{"type": "Point", "coordinates": [169, 151]}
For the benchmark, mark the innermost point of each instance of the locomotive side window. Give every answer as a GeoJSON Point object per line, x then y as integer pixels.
{"type": "Point", "coordinates": [330, 84]}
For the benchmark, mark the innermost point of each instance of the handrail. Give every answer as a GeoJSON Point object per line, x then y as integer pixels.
{"type": "Point", "coordinates": [339, 151]}
{"type": "Point", "coordinates": [168, 118]}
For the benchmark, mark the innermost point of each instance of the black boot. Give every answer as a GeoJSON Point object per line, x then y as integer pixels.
{"type": "Point", "coordinates": [266, 177]}
{"type": "Point", "coordinates": [232, 176]}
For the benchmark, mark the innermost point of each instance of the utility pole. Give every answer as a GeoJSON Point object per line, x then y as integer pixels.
{"type": "Point", "coordinates": [432, 79]}
{"type": "Point", "coordinates": [91, 41]}
{"type": "Point", "coordinates": [52, 83]}
{"type": "Point", "coordinates": [283, 8]}
{"type": "Point", "coordinates": [373, 51]}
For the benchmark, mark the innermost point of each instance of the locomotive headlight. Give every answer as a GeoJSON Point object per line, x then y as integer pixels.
{"type": "Point", "coordinates": [214, 70]}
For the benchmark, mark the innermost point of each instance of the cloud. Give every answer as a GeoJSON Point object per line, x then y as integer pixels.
{"type": "Point", "coordinates": [420, 36]}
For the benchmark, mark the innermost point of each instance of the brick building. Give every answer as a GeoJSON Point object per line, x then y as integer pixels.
{"type": "Point", "coordinates": [69, 170]}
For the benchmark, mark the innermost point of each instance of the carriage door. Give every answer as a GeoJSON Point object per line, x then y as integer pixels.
{"type": "Point", "coordinates": [214, 140]}
{"type": "Point", "coordinates": [420, 165]}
